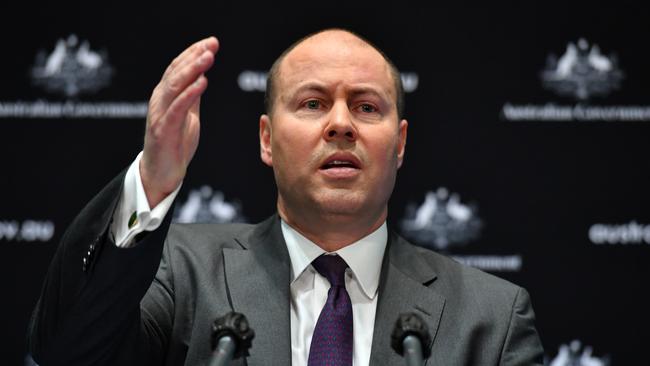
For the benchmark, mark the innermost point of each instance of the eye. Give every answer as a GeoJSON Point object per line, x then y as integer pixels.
{"type": "Point", "coordinates": [368, 108]}
{"type": "Point", "coordinates": [312, 104]}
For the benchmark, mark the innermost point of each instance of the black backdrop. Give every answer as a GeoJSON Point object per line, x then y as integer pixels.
{"type": "Point", "coordinates": [557, 205]}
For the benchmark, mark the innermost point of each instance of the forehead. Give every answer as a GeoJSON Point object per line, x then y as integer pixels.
{"type": "Point", "coordinates": [335, 58]}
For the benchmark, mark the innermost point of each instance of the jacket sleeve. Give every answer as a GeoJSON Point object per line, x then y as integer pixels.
{"type": "Point", "coordinates": [89, 308]}
{"type": "Point", "coordinates": [522, 345]}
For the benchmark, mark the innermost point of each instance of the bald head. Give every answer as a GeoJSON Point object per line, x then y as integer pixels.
{"type": "Point", "coordinates": [331, 41]}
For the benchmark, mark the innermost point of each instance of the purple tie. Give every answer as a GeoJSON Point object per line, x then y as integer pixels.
{"type": "Point", "coordinates": [331, 344]}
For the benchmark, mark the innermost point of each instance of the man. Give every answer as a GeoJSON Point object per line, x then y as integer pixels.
{"type": "Point", "coordinates": [334, 136]}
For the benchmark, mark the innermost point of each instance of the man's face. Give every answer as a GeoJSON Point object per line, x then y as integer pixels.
{"type": "Point", "coordinates": [333, 137]}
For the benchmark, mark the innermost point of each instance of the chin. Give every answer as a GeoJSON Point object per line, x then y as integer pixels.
{"type": "Point", "coordinates": [342, 203]}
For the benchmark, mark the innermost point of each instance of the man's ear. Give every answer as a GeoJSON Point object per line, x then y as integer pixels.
{"type": "Point", "coordinates": [265, 140]}
{"type": "Point", "coordinates": [401, 143]}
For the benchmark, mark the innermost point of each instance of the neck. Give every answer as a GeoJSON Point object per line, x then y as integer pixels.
{"type": "Point", "coordinates": [332, 232]}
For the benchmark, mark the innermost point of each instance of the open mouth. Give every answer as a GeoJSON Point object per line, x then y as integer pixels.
{"type": "Point", "coordinates": [341, 160]}
{"type": "Point", "coordinates": [338, 163]}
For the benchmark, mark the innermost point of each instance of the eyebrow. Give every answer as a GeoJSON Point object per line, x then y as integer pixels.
{"type": "Point", "coordinates": [354, 90]}
{"type": "Point", "coordinates": [309, 86]}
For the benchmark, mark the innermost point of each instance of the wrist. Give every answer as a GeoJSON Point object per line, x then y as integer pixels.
{"type": "Point", "coordinates": [154, 188]}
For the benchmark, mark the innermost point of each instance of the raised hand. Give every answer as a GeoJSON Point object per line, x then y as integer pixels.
{"type": "Point", "coordinates": [172, 132]}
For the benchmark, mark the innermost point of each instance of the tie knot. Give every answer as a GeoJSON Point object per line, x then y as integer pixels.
{"type": "Point", "coordinates": [331, 267]}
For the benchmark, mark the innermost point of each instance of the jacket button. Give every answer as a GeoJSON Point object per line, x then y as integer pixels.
{"type": "Point", "coordinates": [88, 258]}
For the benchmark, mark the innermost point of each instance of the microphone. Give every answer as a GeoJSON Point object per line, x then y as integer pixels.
{"type": "Point", "coordinates": [231, 338]}
{"type": "Point", "coordinates": [411, 339]}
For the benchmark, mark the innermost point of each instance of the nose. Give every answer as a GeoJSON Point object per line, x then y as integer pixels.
{"type": "Point", "coordinates": [340, 125]}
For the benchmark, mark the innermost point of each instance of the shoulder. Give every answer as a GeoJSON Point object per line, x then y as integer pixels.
{"type": "Point", "coordinates": [206, 237]}
{"type": "Point", "coordinates": [480, 309]}
{"type": "Point", "coordinates": [458, 282]}
{"type": "Point", "coordinates": [193, 250]}
{"type": "Point", "coordinates": [207, 232]}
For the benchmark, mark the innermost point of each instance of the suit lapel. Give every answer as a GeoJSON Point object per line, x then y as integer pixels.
{"type": "Point", "coordinates": [265, 298]}
{"type": "Point", "coordinates": [264, 294]}
{"type": "Point", "coordinates": [403, 288]}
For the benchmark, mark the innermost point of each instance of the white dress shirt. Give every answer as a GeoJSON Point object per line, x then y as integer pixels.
{"type": "Point", "coordinates": [134, 203]}
{"type": "Point", "coordinates": [308, 288]}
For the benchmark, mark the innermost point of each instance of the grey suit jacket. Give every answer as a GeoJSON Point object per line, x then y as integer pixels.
{"type": "Point", "coordinates": [154, 304]}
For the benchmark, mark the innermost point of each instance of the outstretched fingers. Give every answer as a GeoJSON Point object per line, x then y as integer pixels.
{"type": "Point", "coordinates": [182, 72]}
{"type": "Point", "coordinates": [186, 102]}
{"type": "Point", "coordinates": [207, 44]}
{"type": "Point", "coordinates": [183, 76]}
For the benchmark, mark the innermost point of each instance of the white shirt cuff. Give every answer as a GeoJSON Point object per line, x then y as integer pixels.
{"type": "Point", "coordinates": [133, 214]}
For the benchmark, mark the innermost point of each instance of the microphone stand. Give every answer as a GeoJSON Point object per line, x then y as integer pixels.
{"type": "Point", "coordinates": [231, 339]}
{"type": "Point", "coordinates": [411, 339]}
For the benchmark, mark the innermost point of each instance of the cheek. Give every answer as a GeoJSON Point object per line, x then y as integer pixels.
{"type": "Point", "coordinates": [383, 147]}
{"type": "Point", "coordinates": [295, 145]}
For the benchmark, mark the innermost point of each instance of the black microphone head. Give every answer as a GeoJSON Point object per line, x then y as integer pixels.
{"type": "Point", "coordinates": [235, 325]}
{"type": "Point", "coordinates": [410, 324]}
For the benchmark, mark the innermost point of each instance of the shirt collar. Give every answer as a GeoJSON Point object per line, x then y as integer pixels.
{"type": "Point", "coordinates": [364, 257]}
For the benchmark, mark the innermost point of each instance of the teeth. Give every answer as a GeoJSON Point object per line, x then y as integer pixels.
{"type": "Point", "coordinates": [339, 163]}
